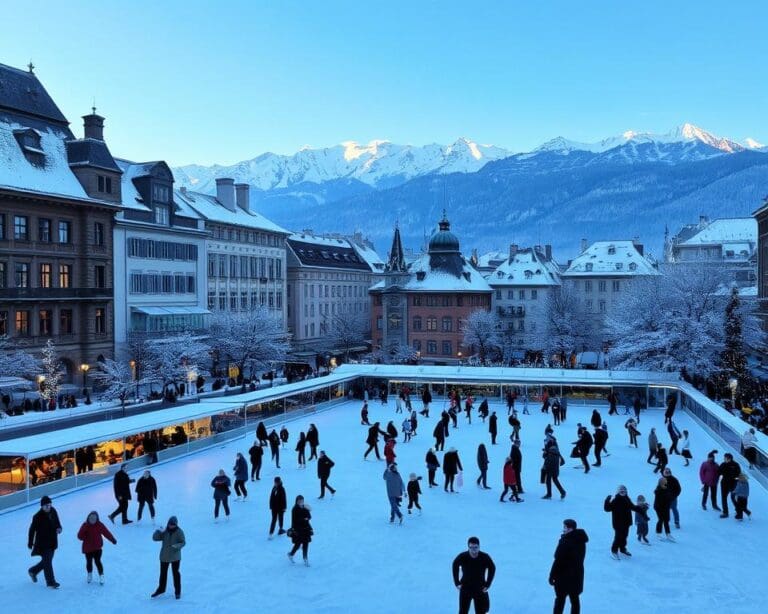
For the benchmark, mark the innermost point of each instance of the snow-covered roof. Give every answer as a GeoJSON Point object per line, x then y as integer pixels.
{"type": "Point", "coordinates": [611, 258]}
{"type": "Point", "coordinates": [527, 268]}
{"type": "Point", "coordinates": [326, 252]}
{"type": "Point", "coordinates": [211, 209]}
{"type": "Point", "coordinates": [53, 177]}
{"type": "Point", "coordinates": [491, 259]}
{"type": "Point", "coordinates": [369, 256]}
{"type": "Point", "coordinates": [741, 230]}
{"type": "Point", "coordinates": [425, 279]}
{"type": "Point", "coordinates": [131, 197]}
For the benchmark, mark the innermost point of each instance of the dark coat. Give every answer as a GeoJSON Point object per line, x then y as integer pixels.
{"type": "Point", "coordinates": [482, 457]}
{"type": "Point", "coordinates": [313, 438]}
{"type": "Point", "coordinates": [391, 431]}
{"type": "Point", "coordinates": [673, 486]}
{"type": "Point", "coordinates": [567, 573]}
{"type": "Point", "coordinates": [517, 458]}
{"type": "Point", "coordinates": [413, 489]}
{"type": "Point", "coordinates": [621, 508]}
{"type": "Point", "coordinates": [44, 531]}
{"type": "Point", "coordinates": [493, 427]}
{"type": "Point", "coordinates": [301, 444]}
{"type": "Point", "coordinates": [241, 468]}
{"type": "Point", "coordinates": [595, 420]}
{"type": "Point", "coordinates": [146, 489]}
{"type": "Point", "coordinates": [277, 499]}
{"type": "Point", "coordinates": [324, 465]}
{"type": "Point", "coordinates": [261, 431]}
{"type": "Point", "coordinates": [728, 471]}
{"type": "Point", "coordinates": [439, 432]}
{"type": "Point", "coordinates": [552, 459]}
{"type": "Point", "coordinates": [302, 530]}
{"type": "Point", "coordinates": [426, 396]}
{"type": "Point", "coordinates": [122, 485]}
{"type": "Point", "coordinates": [451, 463]}
{"type": "Point", "coordinates": [221, 484]}
{"type": "Point", "coordinates": [661, 502]}
{"type": "Point", "coordinates": [432, 462]}
{"type": "Point", "coordinates": [585, 442]}
{"type": "Point", "coordinates": [601, 438]}
{"type": "Point", "coordinates": [373, 435]}
{"type": "Point", "coordinates": [274, 441]}
{"type": "Point", "coordinates": [256, 453]}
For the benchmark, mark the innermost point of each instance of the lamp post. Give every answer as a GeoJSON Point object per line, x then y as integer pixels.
{"type": "Point", "coordinates": [418, 357]}
{"type": "Point", "coordinates": [458, 354]}
{"type": "Point", "coordinates": [192, 377]}
{"type": "Point", "coordinates": [40, 382]}
{"type": "Point", "coordinates": [84, 368]}
{"type": "Point", "coordinates": [733, 384]}
{"type": "Point", "coordinates": [132, 364]}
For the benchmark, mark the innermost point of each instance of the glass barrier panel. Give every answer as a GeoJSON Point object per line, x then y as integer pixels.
{"type": "Point", "coordinates": [13, 474]}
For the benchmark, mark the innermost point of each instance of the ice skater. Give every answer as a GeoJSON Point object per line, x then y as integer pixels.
{"type": "Point", "coordinates": [173, 540]}
{"type": "Point", "coordinates": [220, 484]}
{"type": "Point", "coordinates": [477, 573]}
{"type": "Point", "coordinates": [146, 494]}
{"type": "Point", "coordinates": [414, 490]}
{"type": "Point", "coordinates": [91, 533]}
{"type": "Point", "coordinates": [641, 520]}
{"type": "Point", "coordinates": [278, 503]}
{"type": "Point", "coordinates": [301, 531]}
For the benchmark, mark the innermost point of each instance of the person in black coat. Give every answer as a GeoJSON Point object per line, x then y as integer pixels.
{"type": "Point", "coordinates": [493, 427]}
{"type": "Point", "coordinates": [451, 467]}
{"type": "Point", "coordinates": [414, 490]}
{"type": "Point", "coordinates": [567, 572]}
{"type": "Point", "coordinates": [81, 460]}
{"type": "Point", "coordinates": [278, 503]}
{"type": "Point", "coordinates": [324, 465]}
{"type": "Point", "coordinates": [301, 446]}
{"type": "Point", "coordinates": [432, 466]}
{"type": "Point", "coordinates": [301, 530]}
{"type": "Point", "coordinates": [729, 471]}
{"type": "Point", "coordinates": [90, 457]}
{"type": "Point", "coordinates": [146, 493]}
{"type": "Point", "coordinates": [391, 430]}
{"type": "Point", "coordinates": [516, 456]}
{"type": "Point", "coordinates": [150, 448]}
{"type": "Point", "coordinates": [43, 539]}
{"type": "Point", "coordinates": [583, 446]}
{"type": "Point", "coordinates": [670, 411]}
{"type": "Point", "coordinates": [601, 438]}
{"type": "Point", "coordinates": [477, 573]}
{"type": "Point", "coordinates": [482, 465]}
{"type": "Point", "coordinates": [621, 507]}
{"type": "Point", "coordinates": [121, 484]}
{"type": "Point", "coordinates": [256, 453]}
{"type": "Point", "coordinates": [483, 411]}
{"type": "Point", "coordinates": [661, 503]}
{"type": "Point", "coordinates": [364, 414]}
{"type": "Point", "coordinates": [261, 434]}
{"type": "Point", "coordinates": [373, 440]}
{"type": "Point", "coordinates": [426, 399]}
{"type": "Point", "coordinates": [274, 447]}
{"type": "Point", "coordinates": [313, 439]}
{"type": "Point", "coordinates": [439, 435]}
{"type": "Point", "coordinates": [284, 436]}
{"type": "Point", "coordinates": [445, 420]}
{"type": "Point", "coordinates": [596, 420]}
{"type": "Point", "coordinates": [661, 459]}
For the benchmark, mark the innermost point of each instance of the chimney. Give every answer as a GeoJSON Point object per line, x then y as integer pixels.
{"type": "Point", "coordinates": [93, 126]}
{"type": "Point", "coordinates": [703, 221]}
{"type": "Point", "coordinates": [548, 252]}
{"type": "Point", "coordinates": [584, 245]}
{"type": "Point", "coordinates": [243, 196]}
{"type": "Point", "coordinates": [225, 192]}
{"type": "Point", "coordinates": [512, 251]}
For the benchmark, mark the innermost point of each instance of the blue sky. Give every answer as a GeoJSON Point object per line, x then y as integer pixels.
{"type": "Point", "coordinates": [221, 82]}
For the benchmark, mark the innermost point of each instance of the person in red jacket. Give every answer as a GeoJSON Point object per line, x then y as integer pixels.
{"type": "Point", "coordinates": [389, 451]}
{"type": "Point", "coordinates": [91, 535]}
{"type": "Point", "coordinates": [709, 477]}
{"type": "Point", "coordinates": [510, 482]}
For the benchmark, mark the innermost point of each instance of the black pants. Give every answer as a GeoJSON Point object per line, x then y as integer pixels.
{"type": "Point", "coordinates": [240, 488]}
{"type": "Point", "coordinates": [519, 481]}
{"type": "Point", "coordinates": [725, 492]}
{"type": "Point", "coordinates": [598, 452]}
{"type": "Point", "coordinates": [150, 505]}
{"type": "Point", "coordinates": [493, 438]}
{"type": "Point", "coordinates": [483, 479]}
{"type": "Point", "coordinates": [255, 469]}
{"type": "Point", "coordinates": [549, 480]}
{"type": "Point", "coordinates": [741, 507]}
{"type": "Point", "coordinates": [650, 457]}
{"type": "Point", "coordinates": [372, 447]}
{"type": "Point", "coordinates": [439, 444]}
{"type": "Point", "coordinates": [122, 509]}
{"type": "Point", "coordinates": [91, 558]}
{"type": "Point", "coordinates": [46, 566]}
{"type": "Point", "coordinates": [662, 522]}
{"type": "Point", "coordinates": [164, 577]}
{"type": "Point", "coordinates": [560, 596]}
{"type": "Point", "coordinates": [302, 458]}
{"type": "Point", "coordinates": [584, 461]}
{"type": "Point", "coordinates": [323, 485]}
{"type": "Point", "coordinates": [312, 451]}
{"type": "Point", "coordinates": [673, 448]}
{"type": "Point", "coordinates": [449, 478]}
{"type": "Point", "coordinates": [507, 488]}
{"type": "Point", "coordinates": [478, 597]}
{"type": "Point", "coordinates": [276, 456]}
{"type": "Point", "coordinates": [632, 438]}
{"type": "Point", "coordinates": [277, 519]}
{"type": "Point", "coordinates": [219, 503]}
{"type": "Point", "coordinates": [619, 539]}
{"type": "Point", "coordinates": [712, 491]}
{"type": "Point", "coordinates": [414, 501]}
{"type": "Point", "coordinates": [304, 548]}
{"type": "Point", "coordinates": [431, 476]}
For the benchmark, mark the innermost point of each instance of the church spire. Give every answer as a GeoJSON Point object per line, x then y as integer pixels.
{"type": "Point", "coordinates": [396, 263]}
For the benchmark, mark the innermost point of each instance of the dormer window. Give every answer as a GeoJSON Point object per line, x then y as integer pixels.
{"type": "Point", "coordinates": [632, 266]}
{"type": "Point", "coordinates": [105, 184]}
{"type": "Point", "coordinates": [420, 275]}
{"type": "Point", "coordinates": [499, 274]}
{"type": "Point", "coordinates": [588, 266]}
{"type": "Point", "coordinates": [619, 266]}
{"type": "Point", "coordinates": [467, 276]}
{"type": "Point", "coordinates": [160, 193]}
{"type": "Point", "coordinates": [29, 142]}
{"type": "Point", "coordinates": [528, 274]}
{"type": "Point", "coordinates": [611, 250]}
{"type": "Point", "coordinates": [162, 215]}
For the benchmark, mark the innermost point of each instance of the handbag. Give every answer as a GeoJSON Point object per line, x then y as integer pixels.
{"type": "Point", "coordinates": [290, 533]}
{"type": "Point", "coordinates": [562, 461]}
{"type": "Point", "coordinates": [460, 479]}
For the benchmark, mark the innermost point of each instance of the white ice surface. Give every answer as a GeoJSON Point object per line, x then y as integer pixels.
{"type": "Point", "coordinates": [362, 564]}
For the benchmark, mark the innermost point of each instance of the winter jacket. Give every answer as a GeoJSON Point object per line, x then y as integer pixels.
{"type": "Point", "coordinates": [284, 435]}
{"type": "Point", "coordinates": [452, 463]}
{"type": "Point", "coordinates": [414, 490]}
{"type": "Point", "coordinates": [44, 531]}
{"type": "Point", "coordinates": [173, 541]}
{"type": "Point", "coordinates": [552, 459]}
{"type": "Point", "coordinates": [661, 502]}
{"type": "Point", "coordinates": [389, 451]}
{"type": "Point", "coordinates": [146, 489]}
{"type": "Point", "coordinates": [256, 452]}
{"type": "Point", "coordinates": [621, 508]}
{"type": "Point", "coordinates": [221, 484]}
{"type": "Point", "coordinates": [510, 479]}
{"type": "Point", "coordinates": [641, 514]}
{"type": "Point", "coordinates": [91, 536]}
{"type": "Point", "coordinates": [241, 468]}
{"type": "Point", "coordinates": [708, 473]}
{"type": "Point", "coordinates": [391, 431]}
{"type": "Point", "coordinates": [673, 486]}
{"type": "Point", "coordinates": [601, 438]}
{"type": "Point", "coordinates": [277, 499]}
{"type": "Point", "coordinates": [121, 484]}
{"type": "Point", "coordinates": [493, 427]}
{"type": "Point", "coordinates": [653, 442]}
{"type": "Point", "coordinates": [595, 420]}
{"type": "Point", "coordinates": [261, 432]}
{"type": "Point", "coordinates": [373, 434]}
{"type": "Point", "coordinates": [729, 471]}
{"type": "Point", "coordinates": [395, 486]}
{"type": "Point", "coordinates": [567, 572]}
{"type": "Point", "coordinates": [324, 465]}
{"type": "Point", "coordinates": [585, 442]}
{"type": "Point", "coordinates": [432, 462]}
{"type": "Point", "coordinates": [439, 431]}
{"type": "Point", "coordinates": [426, 397]}
{"type": "Point", "coordinates": [301, 444]}
{"type": "Point", "coordinates": [482, 458]}
{"type": "Point", "coordinates": [662, 457]}
{"type": "Point", "coordinates": [313, 438]}
{"type": "Point", "coordinates": [302, 530]}
{"type": "Point", "coordinates": [742, 489]}
{"type": "Point", "coordinates": [274, 441]}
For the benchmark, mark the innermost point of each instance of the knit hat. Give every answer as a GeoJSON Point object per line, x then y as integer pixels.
{"type": "Point", "coordinates": [173, 521]}
{"type": "Point", "coordinates": [46, 500]}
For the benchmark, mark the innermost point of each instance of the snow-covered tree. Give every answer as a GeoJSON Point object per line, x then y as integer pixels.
{"type": "Point", "coordinates": [172, 359]}
{"type": "Point", "coordinates": [137, 348]}
{"type": "Point", "coordinates": [568, 326]}
{"type": "Point", "coordinates": [401, 353]}
{"type": "Point", "coordinates": [249, 339]}
{"type": "Point", "coordinates": [15, 362]}
{"type": "Point", "coordinates": [734, 358]}
{"type": "Point", "coordinates": [347, 330]}
{"type": "Point", "coordinates": [117, 377]}
{"type": "Point", "coordinates": [481, 334]}
{"type": "Point", "coordinates": [51, 371]}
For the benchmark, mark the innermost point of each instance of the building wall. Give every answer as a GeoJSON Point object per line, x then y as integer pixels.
{"type": "Point", "coordinates": [523, 313]}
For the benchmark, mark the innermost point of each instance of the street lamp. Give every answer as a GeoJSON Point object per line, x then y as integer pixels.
{"type": "Point", "coordinates": [132, 364]}
{"type": "Point", "coordinates": [458, 354]}
{"type": "Point", "coordinates": [40, 382]}
{"type": "Point", "coordinates": [733, 384]}
{"type": "Point", "coordinates": [84, 368]}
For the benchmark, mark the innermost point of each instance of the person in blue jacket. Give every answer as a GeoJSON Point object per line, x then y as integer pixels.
{"type": "Point", "coordinates": [241, 476]}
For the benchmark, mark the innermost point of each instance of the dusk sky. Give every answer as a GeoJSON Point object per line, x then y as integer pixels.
{"type": "Point", "coordinates": [208, 82]}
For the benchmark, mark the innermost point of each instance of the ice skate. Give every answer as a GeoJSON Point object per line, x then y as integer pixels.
{"type": "Point", "coordinates": [290, 557]}
{"type": "Point", "coordinates": [90, 577]}
{"type": "Point", "coordinates": [101, 580]}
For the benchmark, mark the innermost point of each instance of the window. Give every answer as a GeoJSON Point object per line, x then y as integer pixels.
{"type": "Point", "coordinates": [447, 301]}
{"type": "Point", "coordinates": [616, 285]}
{"type": "Point", "coordinates": [160, 193]}
{"type": "Point", "coordinates": [379, 322]}
{"type": "Point", "coordinates": [105, 184]}
{"type": "Point", "coordinates": [589, 303]}
{"type": "Point", "coordinates": [45, 323]}
{"type": "Point", "coordinates": [233, 267]}
{"type": "Point", "coordinates": [243, 301]}
{"type": "Point", "coordinates": [498, 295]}
{"type": "Point", "coordinates": [98, 233]}
{"type": "Point", "coordinates": [162, 215]}
{"type": "Point", "coordinates": [100, 321]}
{"type": "Point", "coordinates": [44, 230]}
{"type": "Point", "coordinates": [632, 266]}
{"type": "Point", "coordinates": [459, 301]}
{"type": "Point", "coordinates": [588, 286]}
{"type": "Point", "coordinates": [22, 323]}
{"type": "Point", "coordinates": [21, 228]}
{"type": "Point", "coordinates": [432, 300]}
{"type": "Point", "coordinates": [417, 301]}
{"type": "Point", "coordinates": [601, 306]}
{"type": "Point", "coordinates": [3, 323]}
{"type": "Point", "coordinates": [2, 226]}
{"type": "Point", "coordinates": [222, 301]}
{"type": "Point", "coordinates": [510, 295]}
{"type": "Point", "coordinates": [601, 286]}
{"type": "Point", "coordinates": [521, 325]}
{"type": "Point", "coordinates": [211, 301]}
{"type": "Point", "coordinates": [521, 295]}
{"type": "Point", "coordinates": [447, 324]}
{"type": "Point", "coordinates": [65, 322]}
{"type": "Point", "coordinates": [431, 323]}
{"type": "Point", "coordinates": [65, 231]}
{"type": "Point", "coordinates": [46, 275]}
{"type": "Point", "coordinates": [3, 276]}
{"type": "Point", "coordinates": [416, 345]}
{"type": "Point", "coordinates": [100, 276]}
{"type": "Point", "coordinates": [417, 323]}
{"type": "Point", "coordinates": [447, 348]}
{"type": "Point", "coordinates": [588, 266]}
{"type": "Point", "coordinates": [431, 347]}
{"type": "Point", "coordinates": [233, 302]}
{"type": "Point", "coordinates": [21, 277]}
{"type": "Point", "coordinates": [65, 275]}
{"type": "Point", "coordinates": [534, 295]}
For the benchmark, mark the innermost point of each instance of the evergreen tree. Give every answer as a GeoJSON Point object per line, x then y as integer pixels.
{"type": "Point", "coordinates": [734, 359]}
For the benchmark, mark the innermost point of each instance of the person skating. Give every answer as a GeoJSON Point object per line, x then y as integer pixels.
{"type": "Point", "coordinates": [661, 502]}
{"type": "Point", "coordinates": [426, 399]}
{"type": "Point", "coordinates": [261, 434]}
{"type": "Point", "coordinates": [662, 460]}
{"type": "Point", "coordinates": [414, 423]}
{"type": "Point", "coordinates": [729, 470]}
{"type": "Point", "coordinates": [324, 465]}
{"type": "Point", "coordinates": [451, 467]}
{"type": "Point", "coordinates": [43, 540]}
{"type": "Point", "coordinates": [301, 447]}
{"type": "Point", "coordinates": [468, 402]}
{"type": "Point", "coordinates": [364, 414]}
{"type": "Point", "coordinates": [482, 465]}
{"type": "Point", "coordinates": [493, 427]}
{"type": "Point", "coordinates": [278, 503]}
{"type": "Point", "coordinates": [274, 447]}
{"type": "Point", "coordinates": [256, 452]}
{"type": "Point", "coordinates": [432, 466]}
{"type": "Point", "coordinates": [545, 402]}
{"type": "Point", "coordinates": [551, 469]}
{"type": "Point", "coordinates": [173, 540]}
{"type": "Point", "coordinates": [670, 409]}
{"type": "Point", "coordinates": [452, 412]}
{"type": "Point", "coordinates": [445, 420]}
{"type": "Point", "coordinates": [709, 476]}
{"type": "Point", "coordinates": [748, 443]}
{"type": "Point", "coordinates": [477, 573]}
{"type": "Point", "coordinates": [653, 446]}
{"type": "Point", "coordinates": [641, 520]}
{"type": "Point", "coordinates": [91, 533]}
{"type": "Point", "coordinates": [482, 410]}
{"type": "Point", "coordinates": [686, 450]}
{"type": "Point", "coordinates": [121, 484]}
{"type": "Point", "coordinates": [284, 436]}
{"type": "Point", "coordinates": [741, 497]}
{"type": "Point", "coordinates": [674, 488]}
{"type": "Point", "coordinates": [556, 411]}
{"type": "Point", "coordinates": [674, 436]}
{"type": "Point", "coordinates": [566, 575]}
{"type": "Point", "coordinates": [637, 406]}
{"type": "Point", "coordinates": [563, 408]}
{"type": "Point", "coordinates": [601, 439]}
{"type": "Point", "coordinates": [313, 439]}
{"type": "Point", "coordinates": [220, 484]}
{"type": "Point", "coordinates": [391, 430]}
{"type": "Point", "coordinates": [399, 403]}
{"type": "Point", "coordinates": [389, 451]}
{"type": "Point", "coordinates": [612, 401]}
{"type": "Point", "coordinates": [439, 434]}
{"type": "Point", "coordinates": [414, 490]}
{"type": "Point", "coordinates": [595, 420]}
{"type": "Point", "coordinates": [514, 422]}
{"type": "Point", "coordinates": [146, 494]}
{"type": "Point", "coordinates": [406, 430]}
{"type": "Point", "coordinates": [240, 471]}
{"type": "Point", "coordinates": [583, 446]}
{"type": "Point", "coordinates": [395, 490]}
{"type": "Point", "coordinates": [621, 507]}
{"type": "Point", "coordinates": [631, 427]}
{"type": "Point", "coordinates": [510, 482]}
{"type": "Point", "coordinates": [301, 531]}
{"type": "Point", "coordinates": [510, 401]}
{"type": "Point", "coordinates": [516, 456]}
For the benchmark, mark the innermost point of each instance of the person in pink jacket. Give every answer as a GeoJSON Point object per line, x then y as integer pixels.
{"type": "Point", "coordinates": [708, 475]}
{"type": "Point", "coordinates": [91, 533]}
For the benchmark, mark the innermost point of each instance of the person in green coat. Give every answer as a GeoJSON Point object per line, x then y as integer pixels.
{"type": "Point", "coordinates": [170, 555]}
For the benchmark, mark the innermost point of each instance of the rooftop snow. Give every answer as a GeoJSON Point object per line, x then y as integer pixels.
{"type": "Point", "coordinates": [726, 230]}
{"type": "Point", "coordinates": [526, 269]}
{"type": "Point", "coordinates": [439, 281]}
{"type": "Point", "coordinates": [613, 258]}
{"type": "Point", "coordinates": [211, 209]}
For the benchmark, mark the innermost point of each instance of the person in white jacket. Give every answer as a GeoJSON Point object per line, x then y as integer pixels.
{"type": "Point", "coordinates": [748, 441]}
{"type": "Point", "coordinates": [686, 448]}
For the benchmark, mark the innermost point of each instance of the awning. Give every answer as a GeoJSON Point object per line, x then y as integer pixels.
{"type": "Point", "coordinates": [171, 311]}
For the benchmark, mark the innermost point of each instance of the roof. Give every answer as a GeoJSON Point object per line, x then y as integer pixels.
{"type": "Point", "coordinates": [168, 310]}
{"type": "Point", "coordinates": [610, 258]}
{"type": "Point", "coordinates": [726, 230]}
{"type": "Point", "coordinates": [527, 268]}
{"type": "Point", "coordinates": [491, 260]}
{"type": "Point", "coordinates": [210, 208]}
{"type": "Point", "coordinates": [323, 252]}
{"type": "Point", "coordinates": [91, 152]}
{"type": "Point", "coordinates": [131, 197]}
{"type": "Point", "coordinates": [369, 255]}
{"type": "Point", "coordinates": [425, 278]}
{"type": "Point", "coordinates": [21, 91]}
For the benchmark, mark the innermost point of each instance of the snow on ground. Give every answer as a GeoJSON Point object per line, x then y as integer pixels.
{"type": "Point", "coordinates": [360, 563]}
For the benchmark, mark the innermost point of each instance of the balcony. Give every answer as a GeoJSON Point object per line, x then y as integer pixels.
{"type": "Point", "coordinates": [48, 247]}
{"type": "Point", "coordinates": [52, 294]}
